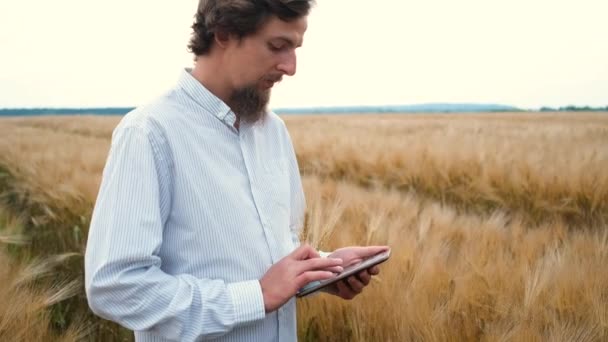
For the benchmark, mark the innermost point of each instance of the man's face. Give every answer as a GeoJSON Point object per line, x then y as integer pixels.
{"type": "Point", "coordinates": [258, 61]}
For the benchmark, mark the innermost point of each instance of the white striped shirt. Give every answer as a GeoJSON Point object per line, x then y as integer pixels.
{"type": "Point", "coordinates": [190, 215]}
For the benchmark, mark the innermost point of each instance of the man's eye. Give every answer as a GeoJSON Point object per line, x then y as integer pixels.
{"type": "Point", "coordinates": [275, 48]}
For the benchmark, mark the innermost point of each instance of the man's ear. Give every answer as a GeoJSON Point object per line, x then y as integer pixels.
{"type": "Point", "coordinates": [222, 39]}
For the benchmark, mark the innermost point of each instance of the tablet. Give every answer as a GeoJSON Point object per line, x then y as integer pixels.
{"type": "Point", "coordinates": [348, 271]}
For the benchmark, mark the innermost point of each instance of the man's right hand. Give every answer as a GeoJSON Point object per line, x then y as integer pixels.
{"type": "Point", "coordinates": [283, 280]}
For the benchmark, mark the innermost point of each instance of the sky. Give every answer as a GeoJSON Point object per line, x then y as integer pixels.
{"type": "Point", "coordinates": [525, 53]}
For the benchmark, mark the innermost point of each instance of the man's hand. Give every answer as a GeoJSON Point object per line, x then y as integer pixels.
{"type": "Point", "coordinates": [350, 287]}
{"type": "Point", "coordinates": [283, 280]}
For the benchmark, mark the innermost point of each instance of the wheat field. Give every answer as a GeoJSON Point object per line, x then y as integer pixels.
{"type": "Point", "coordinates": [498, 224]}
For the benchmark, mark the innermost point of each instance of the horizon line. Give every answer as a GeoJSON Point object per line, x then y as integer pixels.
{"type": "Point", "coordinates": [430, 106]}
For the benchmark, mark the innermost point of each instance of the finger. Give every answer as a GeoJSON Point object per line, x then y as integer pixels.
{"type": "Point", "coordinates": [304, 252]}
{"type": "Point", "coordinates": [310, 276]}
{"type": "Point", "coordinates": [335, 269]}
{"type": "Point", "coordinates": [368, 251]}
{"type": "Point", "coordinates": [355, 284]}
{"type": "Point", "coordinates": [317, 264]}
{"type": "Point", "coordinates": [374, 270]}
{"type": "Point", "coordinates": [344, 290]}
{"type": "Point", "coordinates": [364, 277]}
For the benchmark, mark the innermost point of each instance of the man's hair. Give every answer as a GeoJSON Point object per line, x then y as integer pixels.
{"type": "Point", "coordinates": [240, 18]}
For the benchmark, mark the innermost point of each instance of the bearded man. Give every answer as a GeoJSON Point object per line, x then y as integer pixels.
{"type": "Point", "coordinates": [194, 233]}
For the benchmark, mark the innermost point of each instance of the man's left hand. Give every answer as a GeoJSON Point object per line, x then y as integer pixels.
{"type": "Point", "coordinates": [350, 287]}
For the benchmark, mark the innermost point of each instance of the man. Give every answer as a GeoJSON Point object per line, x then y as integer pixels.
{"type": "Point", "coordinates": [194, 234]}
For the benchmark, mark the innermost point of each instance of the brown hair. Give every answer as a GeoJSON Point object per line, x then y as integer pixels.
{"type": "Point", "coordinates": [240, 18]}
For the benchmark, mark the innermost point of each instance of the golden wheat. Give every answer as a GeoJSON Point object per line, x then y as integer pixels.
{"type": "Point", "coordinates": [26, 299]}
{"type": "Point", "coordinates": [544, 169]}
{"type": "Point", "coordinates": [498, 222]}
{"type": "Point", "coordinates": [454, 276]}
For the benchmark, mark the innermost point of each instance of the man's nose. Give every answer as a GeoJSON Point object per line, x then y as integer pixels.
{"type": "Point", "coordinates": [288, 64]}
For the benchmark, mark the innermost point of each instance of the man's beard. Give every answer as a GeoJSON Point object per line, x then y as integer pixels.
{"type": "Point", "coordinates": [249, 103]}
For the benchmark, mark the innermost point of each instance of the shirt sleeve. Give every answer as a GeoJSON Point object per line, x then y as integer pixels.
{"type": "Point", "coordinates": [324, 254]}
{"type": "Point", "coordinates": [123, 277]}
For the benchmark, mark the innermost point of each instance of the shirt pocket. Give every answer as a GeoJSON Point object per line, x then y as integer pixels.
{"type": "Point", "coordinates": [277, 183]}
{"type": "Point", "coordinates": [279, 202]}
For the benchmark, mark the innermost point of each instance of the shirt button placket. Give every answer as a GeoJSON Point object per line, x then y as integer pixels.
{"type": "Point", "coordinates": [257, 194]}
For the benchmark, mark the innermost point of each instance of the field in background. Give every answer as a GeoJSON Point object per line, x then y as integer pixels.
{"type": "Point", "coordinates": [498, 223]}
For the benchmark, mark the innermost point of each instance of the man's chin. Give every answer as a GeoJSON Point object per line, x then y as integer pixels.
{"type": "Point", "coordinates": [264, 89]}
{"type": "Point", "coordinates": [250, 103]}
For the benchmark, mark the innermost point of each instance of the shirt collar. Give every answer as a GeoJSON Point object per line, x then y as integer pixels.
{"type": "Point", "coordinates": [204, 98]}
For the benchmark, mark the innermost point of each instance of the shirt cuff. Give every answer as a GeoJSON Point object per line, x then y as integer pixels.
{"type": "Point", "coordinates": [248, 301]}
{"type": "Point", "coordinates": [324, 254]}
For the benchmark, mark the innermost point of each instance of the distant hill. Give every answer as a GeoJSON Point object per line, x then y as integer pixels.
{"type": "Point", "coordinates": [419, 108]}
{"type": "Point", "coordinates": [64, 111]}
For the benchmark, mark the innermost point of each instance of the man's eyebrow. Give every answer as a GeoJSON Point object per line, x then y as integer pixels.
{"type": "Point", "coordinates": [288, 41]}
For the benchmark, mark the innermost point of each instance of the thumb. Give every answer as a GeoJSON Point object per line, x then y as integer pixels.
{"type": "Point", "coordinates": [365, 252]}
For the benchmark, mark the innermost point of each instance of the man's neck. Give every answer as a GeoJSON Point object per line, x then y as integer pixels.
{"type": "Point", "coordinates": [206, 72]}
